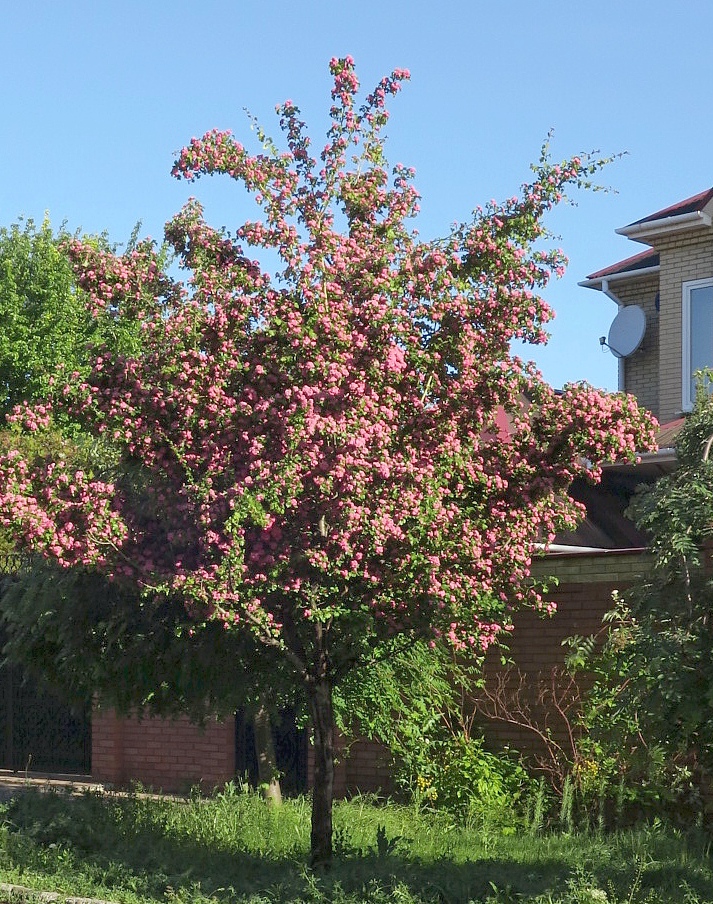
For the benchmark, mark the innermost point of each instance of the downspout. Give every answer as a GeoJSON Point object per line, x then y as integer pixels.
{"type": "Point", "coordinates": [608, 292]}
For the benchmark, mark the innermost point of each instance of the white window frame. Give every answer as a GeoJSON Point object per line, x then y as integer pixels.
{"type": "Point", "coordinates": [686, 289]}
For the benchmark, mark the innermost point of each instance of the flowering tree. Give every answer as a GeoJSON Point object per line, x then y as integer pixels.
{"type": "Point", "coordinates": [341, 451]}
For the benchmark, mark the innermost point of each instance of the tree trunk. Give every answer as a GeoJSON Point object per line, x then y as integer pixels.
{"type": "Point", "coordinates": [268, 776]}
{"type": "Point", "coordinates": [319, 694]}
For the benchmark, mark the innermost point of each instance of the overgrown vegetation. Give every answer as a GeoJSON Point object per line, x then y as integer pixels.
{"type": "Point", "coordinates": [232, 847]}
{"type": "Point", "coordinates": [418, 703]}
{"type": "Point", "coordinates": [645, 727]}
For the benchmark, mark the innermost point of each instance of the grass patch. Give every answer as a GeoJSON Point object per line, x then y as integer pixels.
{"type": "Point", "coordinates": [233, 848]}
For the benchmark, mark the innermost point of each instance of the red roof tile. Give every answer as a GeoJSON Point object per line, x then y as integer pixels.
{"type": "Point", "coordinates": [667, 433]}
{"type": "Point", "coordinates": [630, 264]}
{"type": "Point", "coordinates": [694, 203]}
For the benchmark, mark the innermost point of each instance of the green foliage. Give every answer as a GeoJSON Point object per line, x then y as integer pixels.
{"type": "Point", "coordinates": [45, 322]}
{"type": "Point", "coordinates": [88, 636]}
{"type": "Point", "coordinates": [608, 775]}
{"type": "Point", "coordinates": [669, 630]}
{"type": "Point", "coordinates": [627, 766]}
{"type": "Point", "coordinates": [414, 701]}
{"type": "Point", "coordinates": [487, 789]}
{"type": "Point", "coordinates": [398, 698]}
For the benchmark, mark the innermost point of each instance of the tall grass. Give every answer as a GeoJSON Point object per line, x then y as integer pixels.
{"type": "Point", "coordinates": [233, 848]}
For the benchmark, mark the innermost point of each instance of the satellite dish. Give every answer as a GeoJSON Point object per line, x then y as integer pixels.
{"type": "Point", "coordinates": [627, 331]}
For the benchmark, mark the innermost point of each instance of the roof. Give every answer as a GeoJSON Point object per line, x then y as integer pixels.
{"type": "Point", "coordinates": [694, 204]}
{"type": "Point", "coordinates": [691, 213]}
{"type": "Point", "coordinates": [695, 212]}
{"type": "Point", "coordinates": [642, 261]}
{"type": "Point", "coordinates": [667, 433]}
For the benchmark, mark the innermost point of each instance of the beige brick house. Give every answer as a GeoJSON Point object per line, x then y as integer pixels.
{"type": "Point", "coordinates": [672, 281]}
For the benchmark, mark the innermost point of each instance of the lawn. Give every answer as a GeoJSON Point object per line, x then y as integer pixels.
{"type": "Point", "coordinates": [232, 847]}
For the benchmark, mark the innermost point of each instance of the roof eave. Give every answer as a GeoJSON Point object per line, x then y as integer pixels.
{"type": "Point", "coordinates": [642, 232]}
{"type": "Point", "coordinates": [557, 550]}
{"type": "Point", "coordinates": [660, 456]}
{"type": "Point", "coordinates": [613, 277]}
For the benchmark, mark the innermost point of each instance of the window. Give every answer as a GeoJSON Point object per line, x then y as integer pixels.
{"type": "Point", "coordinates": [697, 335]}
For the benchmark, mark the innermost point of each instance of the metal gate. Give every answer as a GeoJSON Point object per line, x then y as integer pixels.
{"type": "Point", "coordinates": [38, 731]}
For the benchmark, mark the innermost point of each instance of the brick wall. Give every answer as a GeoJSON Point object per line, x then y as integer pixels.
{"type": "Point", "coordinates": [583, 597]}
{"type": "Point", "coordinates": [361, 766]}
{"type": "Point", "coordinates": [167, 754]}
{"type": "Point", "coordinates": [684, 257]}
{"type": "Point", "coordinates": [641, 370]}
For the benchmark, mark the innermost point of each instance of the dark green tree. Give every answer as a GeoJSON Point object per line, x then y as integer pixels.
{"type": "Point", "coordinates": [88, 636]}
{"type": "Point", "coordinates": [45, 323]}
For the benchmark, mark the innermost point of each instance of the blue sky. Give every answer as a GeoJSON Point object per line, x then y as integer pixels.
{"type": "Point", "coordinates": [97, 96]}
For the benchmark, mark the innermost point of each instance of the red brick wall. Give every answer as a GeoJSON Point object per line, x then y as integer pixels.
{"type": "Point", "coordinates": [166, 754]}
{"type": "Point", "coordinates": [583, 597]}
{"type": "Point", "coordinates": [360, 766]}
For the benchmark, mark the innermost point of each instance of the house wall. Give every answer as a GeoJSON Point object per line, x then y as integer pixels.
{"type": "Point", "coordinates": [583, 596]}
{"type": "Point", "coordinates": [654, 372]}
{"type": "Point", "coordinates": [684, 257]}
{"type": "Point", "coordinates": [641, 370]}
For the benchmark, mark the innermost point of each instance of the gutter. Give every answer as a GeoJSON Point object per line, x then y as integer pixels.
{"type": "Point", "coordinates": [625, 274]}
{"type": "Point", "coordinates": [639, 232]}
{"type": "Point", "coordinates": [561, 549]}
{"type": "Point", "coordinates": [564, 549]}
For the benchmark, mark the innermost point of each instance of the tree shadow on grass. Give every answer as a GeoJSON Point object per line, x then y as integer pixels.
{"type": "Point", "coordinates": [100, 847]}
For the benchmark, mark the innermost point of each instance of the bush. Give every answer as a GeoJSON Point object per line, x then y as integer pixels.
{"type": "Point", "coordinates": [628, 766]}
{"type": "Point", "coordinates": [458, 774]}
{"type": "Point", "coordinates": [415, 703]}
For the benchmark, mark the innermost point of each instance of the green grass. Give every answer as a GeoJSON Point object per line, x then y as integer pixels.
{"type": "Point", "coordinates": [233, 848]}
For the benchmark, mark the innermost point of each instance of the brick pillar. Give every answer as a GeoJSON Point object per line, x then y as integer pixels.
{"type": "Point", "coordinates": [107, 746]}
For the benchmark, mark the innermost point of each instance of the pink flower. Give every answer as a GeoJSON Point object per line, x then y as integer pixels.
{"type": "Point", "coordinates": [395, 359]}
